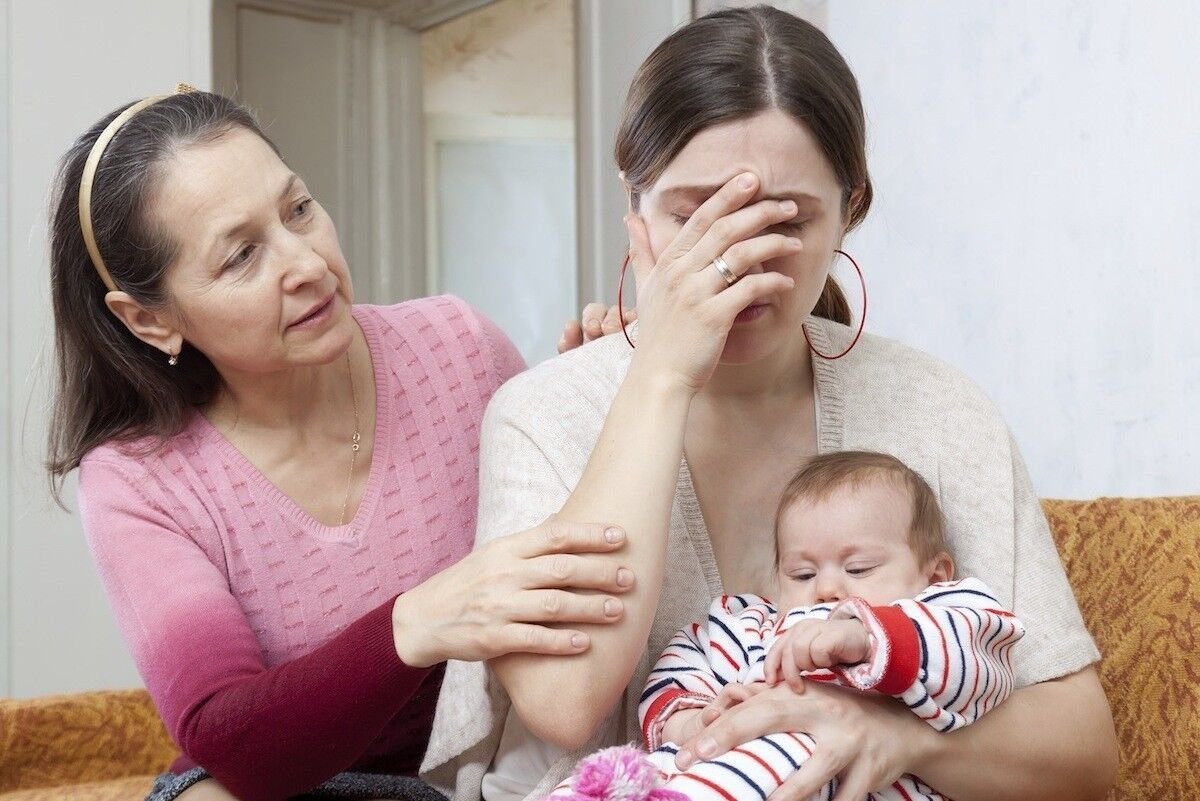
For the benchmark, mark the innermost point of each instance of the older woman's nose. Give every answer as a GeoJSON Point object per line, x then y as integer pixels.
{"type": "Point", "coordinates": [301, 264]}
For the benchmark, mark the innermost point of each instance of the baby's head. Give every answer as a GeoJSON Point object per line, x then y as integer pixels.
{"type": "Point", "coordinates": [860, 524]}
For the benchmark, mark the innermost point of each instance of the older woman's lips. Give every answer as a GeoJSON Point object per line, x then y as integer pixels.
{"type": "Point", "coordinates": [751, 313]}
{"type": "Point", "coordinates": [317, 318]}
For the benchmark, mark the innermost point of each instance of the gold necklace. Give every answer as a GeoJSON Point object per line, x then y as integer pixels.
{"type": "Point", "coordinates": [354, 443]}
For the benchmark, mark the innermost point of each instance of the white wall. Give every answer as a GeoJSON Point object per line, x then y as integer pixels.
{"type": "Point", "coordinates": [65, 64]}
{"type": "Point", "coordinates": [1036, 168]}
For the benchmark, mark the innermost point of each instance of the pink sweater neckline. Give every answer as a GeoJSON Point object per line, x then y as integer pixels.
{"type": "Point", "coordinates": [351, 531]}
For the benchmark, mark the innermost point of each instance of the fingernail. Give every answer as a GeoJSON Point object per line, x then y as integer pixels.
{"type": "Point", "coordinates": [746, 180]}
{"type": "Point", "coordinates": [787, 207]}
{"type": "Point", "coordinates": [706, 747]}
{"type": "Point", "coordinates": [612, 607]}
{"type": "Point", "coordinates": [683, 759]}
{"type": "Point", "coordinates": [578, 640]}
{"type": "Point", "coordinates": [795, 243]}
{"type": "Point", "coordinates": [614, 535]}
{"type": "Point", "coordinates": [624, 577]}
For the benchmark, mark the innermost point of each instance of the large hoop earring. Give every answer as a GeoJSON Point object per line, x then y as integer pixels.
{"type": "Point", "coordinates": [620, 303]}
{"type": "Point", "coordinates": [861, 322]}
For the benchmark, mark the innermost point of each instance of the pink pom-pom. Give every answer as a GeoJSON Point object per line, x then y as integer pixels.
{"type": "Point", "coordinates": [620, 773]}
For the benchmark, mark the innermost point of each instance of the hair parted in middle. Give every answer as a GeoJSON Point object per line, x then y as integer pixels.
{"type": "Point", "coordinates": [822, 475]}
{"type": "Point", "coordinates": [731, 65]}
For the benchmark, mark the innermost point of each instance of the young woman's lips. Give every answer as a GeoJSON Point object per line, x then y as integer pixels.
{"type": "Point", "coordinates": [751, 313]}
{"type": "Point", "coordinates": [317, 318]}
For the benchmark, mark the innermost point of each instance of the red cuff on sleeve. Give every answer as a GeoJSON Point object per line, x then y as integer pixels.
{"type": "Point", "coordinates": [904, 657]}
{"type": "Point", "coordinates": [656, 708]}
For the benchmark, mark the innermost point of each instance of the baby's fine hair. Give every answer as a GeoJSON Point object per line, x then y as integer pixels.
{"type": "Point", "coordinates": [823, 474]}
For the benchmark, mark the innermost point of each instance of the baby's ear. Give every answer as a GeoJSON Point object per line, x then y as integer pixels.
{"type": "Point", "coordinates": [940, 568]}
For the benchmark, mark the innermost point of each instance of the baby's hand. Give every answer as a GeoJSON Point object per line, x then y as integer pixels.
{"type": "Point", "coordinates": [815, 644]}
{"type": "Point", "coordinates": [683, 725]}
{"type": "Point", "coordinates": [687, 723]}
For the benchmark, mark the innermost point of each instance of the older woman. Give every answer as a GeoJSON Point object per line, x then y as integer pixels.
{"type": "Point", "coordinates": [278, 486]}
{"type": "Point", "coordinates": [743, 152]}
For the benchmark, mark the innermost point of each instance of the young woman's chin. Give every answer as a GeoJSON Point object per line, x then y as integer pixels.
{"type": "Point", "coordinates": [749, 343]}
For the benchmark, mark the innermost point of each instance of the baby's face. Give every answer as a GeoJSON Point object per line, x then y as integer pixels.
{"type": "Point", "coordinates": [853, 543]}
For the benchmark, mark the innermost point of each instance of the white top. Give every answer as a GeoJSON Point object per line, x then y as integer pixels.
{"type": "Point", "coordinates": [540, 430]}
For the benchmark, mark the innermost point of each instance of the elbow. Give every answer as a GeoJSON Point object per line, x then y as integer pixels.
{"type": "Point", "coordinates": [565, 719]}
{"type": "Point", "coordinates": [229, 757]}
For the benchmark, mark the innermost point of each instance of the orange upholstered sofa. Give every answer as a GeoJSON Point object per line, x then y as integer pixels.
{"type": "Point", "coordinates": [1134, 564]}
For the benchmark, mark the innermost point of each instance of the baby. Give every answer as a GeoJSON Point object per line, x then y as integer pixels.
{"type": "Point", "coordinates": [864, 573]}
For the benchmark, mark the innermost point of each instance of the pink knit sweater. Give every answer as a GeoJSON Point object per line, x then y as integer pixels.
{"type": "Point", "coordinates": [264, 636]}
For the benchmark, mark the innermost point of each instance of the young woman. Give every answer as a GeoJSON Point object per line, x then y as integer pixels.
{"type": "Point", "coordinates": [743, 152]}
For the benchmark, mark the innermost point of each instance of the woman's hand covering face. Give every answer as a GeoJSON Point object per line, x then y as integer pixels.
{"type": "Point", "coordinates": [687, 306]}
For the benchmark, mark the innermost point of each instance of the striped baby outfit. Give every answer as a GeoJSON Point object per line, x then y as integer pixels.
{"type": "Point", "coordinates": [945, 654]}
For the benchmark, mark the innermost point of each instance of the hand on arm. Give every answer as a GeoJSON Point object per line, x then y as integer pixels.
{"type": "Point", "coordinates": [595, 321]}
{"type": "Point", "coordinates": [526, 592]}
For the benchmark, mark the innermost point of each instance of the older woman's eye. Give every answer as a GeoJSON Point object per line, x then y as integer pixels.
{"type": "Point", "coordinates": [680, 219]}
{"type": "Point", "coordinates": [302, 208]}
{"type": "Point", "coordinates": [241, 257]}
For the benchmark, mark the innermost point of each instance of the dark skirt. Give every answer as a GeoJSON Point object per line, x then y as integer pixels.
{"type": "Point", "coordinates": [168, 787]}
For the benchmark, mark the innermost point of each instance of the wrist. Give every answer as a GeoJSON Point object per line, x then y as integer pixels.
{"type": "Point", "coordinates": [929, 748]}
{"type": "Point", "coordinates": [411, 647]}
{"type": "Point", "coordinates": [674, 728]}
{"type": "Point", "coordinates": [653, 384]}
{"type": "Point", "coordinates": [860, 637]}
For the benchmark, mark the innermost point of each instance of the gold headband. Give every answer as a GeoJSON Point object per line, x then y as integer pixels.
{"type": "Point", "coordinates": [89, 175]}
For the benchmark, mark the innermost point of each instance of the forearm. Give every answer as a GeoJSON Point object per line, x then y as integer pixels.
{"type": "Point", "coordinates": [285, 730]}
{"type": "Point", "coordinates": [1052, 740]}
{"type": "Point", "coordinates": [629, 481]}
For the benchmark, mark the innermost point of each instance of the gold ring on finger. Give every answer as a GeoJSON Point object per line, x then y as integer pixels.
{"type": "Point", "coordinates": [722, 267]}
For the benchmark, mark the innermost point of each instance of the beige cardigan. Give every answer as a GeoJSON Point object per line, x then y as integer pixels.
{"type": "Point", "coordinates": [542, 425]}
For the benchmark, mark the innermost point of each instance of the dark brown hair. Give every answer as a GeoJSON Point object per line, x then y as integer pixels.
{"type": "Point", "coordinates": [823, 474]}
{"type": "Point", "coordinates": [109, 383]}
{"type": "Point", "coordinates": [733, 64]}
